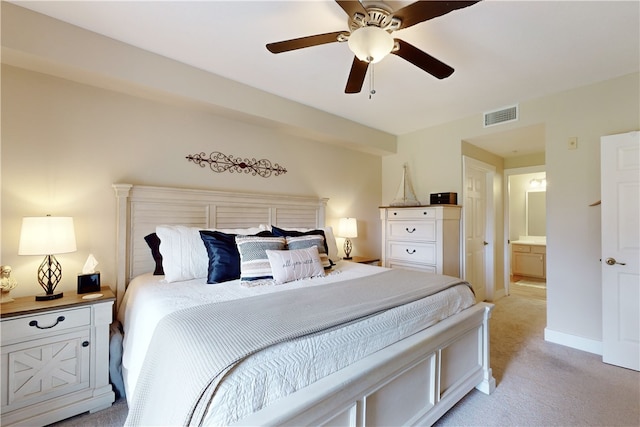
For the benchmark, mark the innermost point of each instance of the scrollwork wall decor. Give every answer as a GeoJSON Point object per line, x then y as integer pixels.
{"type": "Point", "coordinates": [219, 162]}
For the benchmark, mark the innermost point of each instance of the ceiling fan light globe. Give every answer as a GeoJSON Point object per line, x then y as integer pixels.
{"type": "Point", "coordinates": [370, 44]}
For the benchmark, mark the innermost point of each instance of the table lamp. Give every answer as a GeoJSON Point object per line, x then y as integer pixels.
{"type": "Point", "coordinates": [348, 228]}
{"type": "Point", "coordinates": [47, 235]}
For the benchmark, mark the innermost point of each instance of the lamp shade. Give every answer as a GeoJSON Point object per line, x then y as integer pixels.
{"type": "Point", "coordinates": [47, 235]}
{"type": "Point", "coordinates": [348, 227]}
{"type": "Point", "coordinates": [370, 44]}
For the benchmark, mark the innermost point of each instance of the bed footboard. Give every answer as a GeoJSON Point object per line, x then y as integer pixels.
{"type": "Point", "coordinates": [412, 382]}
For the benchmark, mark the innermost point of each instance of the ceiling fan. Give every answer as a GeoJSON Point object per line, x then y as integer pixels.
{"type": "Point", "coordinates": [369, 36]}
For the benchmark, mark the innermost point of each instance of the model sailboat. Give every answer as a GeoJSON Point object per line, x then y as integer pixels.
{"type": "Point", "coordinates": [405, 195]}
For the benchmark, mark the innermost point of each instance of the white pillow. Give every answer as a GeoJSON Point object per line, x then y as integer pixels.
{"type": "Point", "coordinates": [328, 235]}
{"type": "Point", "coordinates": [184, 256]}
{"type": "Point", "coordinates": [287, 266]}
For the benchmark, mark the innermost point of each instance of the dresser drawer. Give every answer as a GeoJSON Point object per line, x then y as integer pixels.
{"type": "Point", "coordinates": [413, 230]}
{"type": "Point", "coordinates": [420, 213]}
{"type": "Point", "coordinates": [411, 266]}
{"type": "Point", "coordinates": [414, 252]}
{"type": "Point", "coordinates": [44, 323]}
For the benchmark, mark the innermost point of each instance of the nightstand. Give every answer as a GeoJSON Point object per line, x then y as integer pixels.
{"type": "Point", "coordinates": [55, 357]}
{"type": "Point", "coordinates": [364, 260]}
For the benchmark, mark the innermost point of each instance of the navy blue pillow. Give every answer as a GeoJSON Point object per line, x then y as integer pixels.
{"type": "Point", "coordinates": [224, 258]}
{"type": "Point", "coordinates": [154, 244]}
{"type": "Point", "coordinates": [279, 232]}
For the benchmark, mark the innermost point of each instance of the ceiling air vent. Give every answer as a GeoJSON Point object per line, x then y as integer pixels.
{"type": "Point", "coordinates": [503, 115]}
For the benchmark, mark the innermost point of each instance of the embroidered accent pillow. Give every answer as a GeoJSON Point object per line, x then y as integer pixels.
{"type": "Point", "coordinates": [254, 264]}
{"type": "Point", "coordinates": [291, 265]}
{"type": "Point", "coordinates": [307, 241]}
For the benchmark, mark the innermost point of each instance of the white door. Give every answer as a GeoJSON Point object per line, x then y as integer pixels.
{"type": "Point", "coordinates": [477, 211]}
{"type": "Point", "coordinates": [620, 175]}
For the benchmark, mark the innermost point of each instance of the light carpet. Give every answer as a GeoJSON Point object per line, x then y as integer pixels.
{"type": "Point", "coordinates": [545, 384]}
{"type": "Point", "coordinates": [538, 383]}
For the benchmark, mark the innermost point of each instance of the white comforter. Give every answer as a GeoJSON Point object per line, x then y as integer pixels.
{"type": "Point", "coordinates": [281, 369]}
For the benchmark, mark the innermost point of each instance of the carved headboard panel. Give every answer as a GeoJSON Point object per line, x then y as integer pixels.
{"type": "Point", "coordinates": [141, 208]}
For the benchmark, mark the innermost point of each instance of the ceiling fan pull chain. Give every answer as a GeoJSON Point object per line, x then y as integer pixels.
{"type": "Point", "coordinates": [372, 91]}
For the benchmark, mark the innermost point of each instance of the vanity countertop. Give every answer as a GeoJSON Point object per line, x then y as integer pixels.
{"type": "Point", "coordinates": [529, 242]}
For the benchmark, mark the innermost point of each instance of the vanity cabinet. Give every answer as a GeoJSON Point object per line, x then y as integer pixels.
{"type": "Point", "coordinates": [528, 260]}
{"type": "Point", "coordinates": [425, 238]}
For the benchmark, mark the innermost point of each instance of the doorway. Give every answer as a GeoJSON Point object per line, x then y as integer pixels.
{"type": "Point", "coordinates": [525, 228]}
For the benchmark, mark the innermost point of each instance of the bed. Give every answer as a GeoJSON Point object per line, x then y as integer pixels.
{"type": "Point", "coordinates": [385, 355]}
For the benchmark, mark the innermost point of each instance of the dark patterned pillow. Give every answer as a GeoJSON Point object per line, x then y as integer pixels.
{"type": "Point", "coordinates": [254, 263]}
{"type": "Point", "coordinates": [304, 242]}
{"type": "Point", "coordinates": [295, 233]}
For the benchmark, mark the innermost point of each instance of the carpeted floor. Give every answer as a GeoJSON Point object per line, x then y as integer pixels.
{"type": "Point", "coordinates": [538, 383]}
{"type": "Point", "coordinates": [545, 384]}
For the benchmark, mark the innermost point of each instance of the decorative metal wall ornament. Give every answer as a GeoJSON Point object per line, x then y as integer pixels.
{"type": "Point", "coordinates": [219, 162]}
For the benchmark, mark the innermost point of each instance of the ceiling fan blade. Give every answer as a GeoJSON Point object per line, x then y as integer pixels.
{"type": "Point", "coordinates": [423, 60]}
{"type": "Point", "coordinates": [356, 76]}
{"type": "Point", "coordinates": [302, 42]}
{"type": "Point", "coordinates": [421, 11]}
{"type": "Point", "coordinates": [351, 7]}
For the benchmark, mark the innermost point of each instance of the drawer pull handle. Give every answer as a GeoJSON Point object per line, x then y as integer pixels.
{"type": "Point", "coordinates": [410, 231]}
{"type": "Point", "coordinates": [35, 323]}
{"type": "Point", "coordinates": [85, 343]}
{"type": "Point", "coordinates": [410, 252]}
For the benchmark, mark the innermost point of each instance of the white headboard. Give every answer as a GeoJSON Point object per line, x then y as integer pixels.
{"type": "Point", "coordinates": [141, 208]}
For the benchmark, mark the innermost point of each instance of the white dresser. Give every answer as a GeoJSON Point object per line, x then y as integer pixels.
{"type": "Point", "coordinates": [425, 238]}
{"type": "Point", "coordinates": [55, 358]}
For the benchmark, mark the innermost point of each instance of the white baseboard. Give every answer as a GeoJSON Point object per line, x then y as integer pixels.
{"type": "Point", "coordinates": [573, 341]}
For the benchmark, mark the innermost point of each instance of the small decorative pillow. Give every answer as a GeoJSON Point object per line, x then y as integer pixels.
{"type": "Point", "coordinates": [330, 245]}
{"type": "Point", "coordinates": [291, 265]}
{"type": "Point", "coordinates": [307, 241]}
{"type": "Point", "coordinates": [254, 264]}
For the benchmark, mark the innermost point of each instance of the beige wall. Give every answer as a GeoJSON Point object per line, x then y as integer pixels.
{"type": "Point", "coordinates": [574, 300]}
{"type": "Point", "coordinates": [65, 143]}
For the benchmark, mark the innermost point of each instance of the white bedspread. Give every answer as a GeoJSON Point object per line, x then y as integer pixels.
{"type": "Point", "coordinates": [284, 368]}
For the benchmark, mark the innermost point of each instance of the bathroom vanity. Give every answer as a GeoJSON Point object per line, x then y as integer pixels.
{"type": "Point", "coordinates": [528, 258]}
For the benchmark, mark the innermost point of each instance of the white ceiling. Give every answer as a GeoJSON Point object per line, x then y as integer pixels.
{"type": "Point", "coordinates": [504, 52]}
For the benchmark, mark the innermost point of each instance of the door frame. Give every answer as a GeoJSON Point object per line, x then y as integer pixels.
{"type": "Point", "coordinates": [507, 194]}
{"type": "Point", "coordinates": [490, 235]}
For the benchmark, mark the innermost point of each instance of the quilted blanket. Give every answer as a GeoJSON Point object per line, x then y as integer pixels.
{"type": "Point", "coordinates": [193, 348]}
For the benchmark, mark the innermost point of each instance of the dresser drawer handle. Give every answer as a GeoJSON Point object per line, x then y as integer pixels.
{"type": "Point", "coordinates": [410, 231]}
{"type": "Point", "coordinates": [35, 323]}
{"type": "Point", "coordinates": [410, 252]}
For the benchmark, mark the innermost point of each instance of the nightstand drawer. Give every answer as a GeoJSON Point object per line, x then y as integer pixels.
{"type": "Point", "coordinates": [414, 252]}
{"type": "Point", "coordinates": [424, 230]}
{"type": "Point", "coordinates": [46, 323]}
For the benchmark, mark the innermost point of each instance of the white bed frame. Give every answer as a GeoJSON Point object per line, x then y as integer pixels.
{"type": "Point", "coordinates": [412, 382]}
